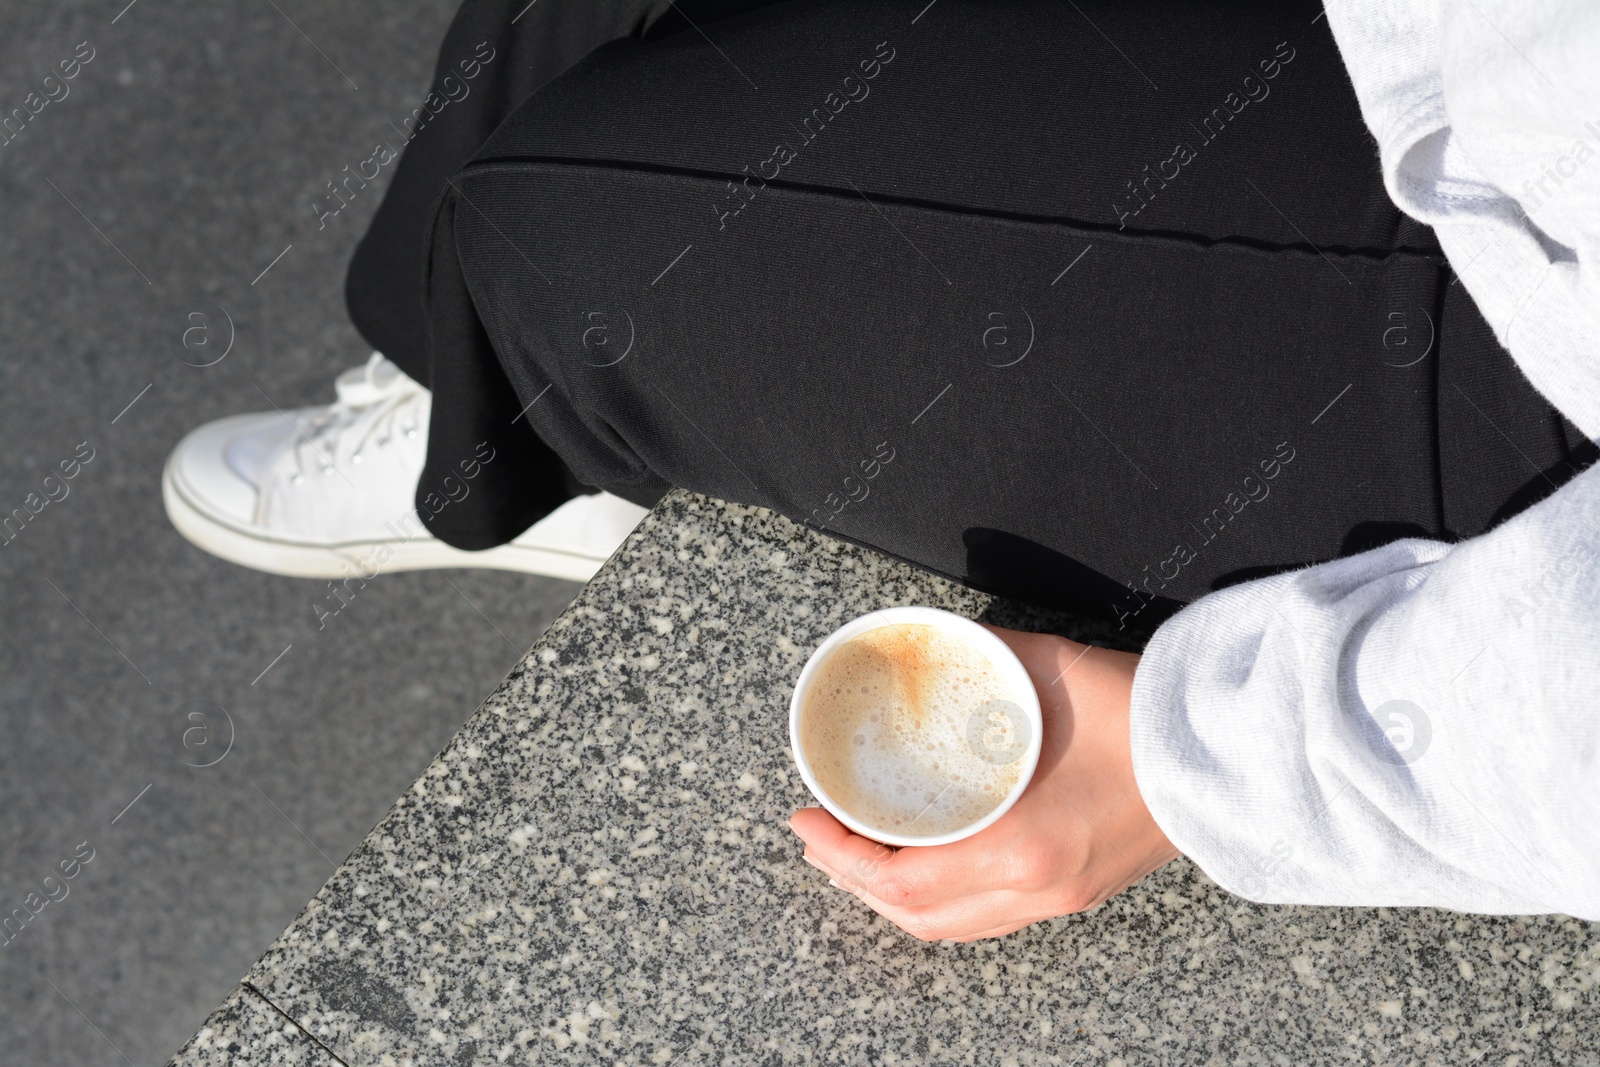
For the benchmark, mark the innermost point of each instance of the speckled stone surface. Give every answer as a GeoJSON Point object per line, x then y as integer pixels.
{"type": "Point", "coordinates": [597, 870]}
{"type": "Point", "coordinates": [247, 1031]}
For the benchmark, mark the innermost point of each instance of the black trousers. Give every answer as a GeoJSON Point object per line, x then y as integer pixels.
{"type": "Point", "coordinates": [1098, 305]}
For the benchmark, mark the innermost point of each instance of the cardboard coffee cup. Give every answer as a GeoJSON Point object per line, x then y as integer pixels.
{"type": "Point", "coordinates": [915, 726]}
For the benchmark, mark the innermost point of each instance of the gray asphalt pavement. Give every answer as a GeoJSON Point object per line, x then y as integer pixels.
{"type": "Point", "coordinates": [156, 184]}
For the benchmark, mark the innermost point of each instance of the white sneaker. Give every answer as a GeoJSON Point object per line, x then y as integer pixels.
{"type": "Point", "coordinates": [328, 492]}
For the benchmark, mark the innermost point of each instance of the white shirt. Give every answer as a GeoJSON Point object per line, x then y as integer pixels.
{"type": "Point", "coordinates": [1420, 724]}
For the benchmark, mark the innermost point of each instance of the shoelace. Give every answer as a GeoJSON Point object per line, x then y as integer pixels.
{"type": "Point", "coordinates": [366, 406]}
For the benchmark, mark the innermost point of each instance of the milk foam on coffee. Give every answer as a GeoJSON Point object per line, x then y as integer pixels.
{"type": "Point", "coordinates": [888, 726]}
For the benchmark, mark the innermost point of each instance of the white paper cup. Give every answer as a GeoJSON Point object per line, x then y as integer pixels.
{"type": "Point", "coordinates": [1019, 688]}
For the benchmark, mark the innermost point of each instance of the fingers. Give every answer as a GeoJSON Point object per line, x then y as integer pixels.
{"type": "Point", "coordinates": [914, 877]}
{"type": "Point", "coordinates": [1002, 931]}
{"type": "Point", "coordinates": [842, 853]}
{"type": "Point", "coordinates": [954, 919]}
{"type": "Point", "coordinates": [991, 914]}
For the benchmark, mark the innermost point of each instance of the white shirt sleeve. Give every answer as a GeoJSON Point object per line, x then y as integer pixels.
{"type": "Point", "coordinates": [1487, 118]}
{"type": "Point", "coordinates": [1420, 724]}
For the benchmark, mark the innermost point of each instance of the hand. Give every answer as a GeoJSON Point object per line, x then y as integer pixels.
{"type": "Point", "coordinates": [1079, 834]}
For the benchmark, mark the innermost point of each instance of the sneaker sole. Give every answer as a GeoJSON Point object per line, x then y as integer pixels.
{"type": "Point", "coordinates": [299, 560]}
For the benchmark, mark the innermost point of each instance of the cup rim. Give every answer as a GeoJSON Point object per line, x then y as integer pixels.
{"type": "Point", "coordinates": [1000, 654]}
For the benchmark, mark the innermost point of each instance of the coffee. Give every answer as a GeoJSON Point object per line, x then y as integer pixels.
{"type": "Point", "coordinates": [913, 730]}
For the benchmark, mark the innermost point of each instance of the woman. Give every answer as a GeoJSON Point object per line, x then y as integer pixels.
{"type": "Point", "coordinates": [1103, 306]}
